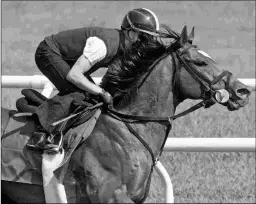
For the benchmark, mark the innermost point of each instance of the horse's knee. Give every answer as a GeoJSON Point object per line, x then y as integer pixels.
{"type": "Point", "coordinates": [120, 195]}
{"type": "Point", "coordinates": [111, 191]}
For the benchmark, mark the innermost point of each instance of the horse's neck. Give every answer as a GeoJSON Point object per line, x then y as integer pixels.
{"type": "Point", "coordinates": [154, 98]}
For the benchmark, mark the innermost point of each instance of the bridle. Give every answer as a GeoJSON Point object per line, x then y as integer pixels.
{"type": "Point", "coordinates": [205, 83]}
{"type": "Point", "coordinates": [207, 95]}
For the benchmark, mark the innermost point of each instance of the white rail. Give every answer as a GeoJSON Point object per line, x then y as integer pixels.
{"type": "Point", "coordinates": [38, 81]}
{"type": "Point", "coordinates": [210, 145]}
{"type": "Point", "coordinates": [172, 144]}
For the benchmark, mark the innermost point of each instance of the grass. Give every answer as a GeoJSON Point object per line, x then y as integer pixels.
{"type": "Point", "coordinates": [211, 177]}
{"type": "Point", "coordinates": [226, 30]}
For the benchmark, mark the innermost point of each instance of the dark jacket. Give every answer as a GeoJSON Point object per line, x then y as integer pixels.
{"type": "Point", "coordinates": [70, 44]}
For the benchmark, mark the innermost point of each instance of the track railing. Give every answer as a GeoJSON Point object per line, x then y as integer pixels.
{"type": "Point", "coordinates": [172, 144]}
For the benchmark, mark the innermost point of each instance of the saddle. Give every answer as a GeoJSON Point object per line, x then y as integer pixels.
{"type": "Point", "coordinates": [22, 163]}
{"type": "Point", "coordinates": [54, 119]}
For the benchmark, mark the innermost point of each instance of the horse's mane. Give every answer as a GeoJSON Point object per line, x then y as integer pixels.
{"type": "Point", "coordinates": [125, 71]}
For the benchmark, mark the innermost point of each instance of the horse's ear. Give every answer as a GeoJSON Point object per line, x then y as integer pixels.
{"type": "Point", "coordinates": [191, 35]}
{"type": "Point", "coordinates": [184, 36]}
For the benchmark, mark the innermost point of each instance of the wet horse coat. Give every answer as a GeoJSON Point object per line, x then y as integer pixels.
{"type": "Point", "coordinates": [112, 165]}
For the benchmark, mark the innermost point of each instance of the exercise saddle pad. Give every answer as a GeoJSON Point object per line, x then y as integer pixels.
{"type": "Point", "coordinates": [20, 164]}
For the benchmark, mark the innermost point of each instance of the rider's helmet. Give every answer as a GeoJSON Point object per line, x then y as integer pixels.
{"type": "Point", "coordinates": [143, 20]}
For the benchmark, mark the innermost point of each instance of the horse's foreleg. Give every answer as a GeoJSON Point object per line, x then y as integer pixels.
{"type": "Point", "coordinates": [54, 191]}
{"type": "Point", "coordinates": [120, 195]}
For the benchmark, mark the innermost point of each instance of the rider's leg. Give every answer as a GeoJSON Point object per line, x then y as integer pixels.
{"type": "Point", "coordinates": [54, 67]}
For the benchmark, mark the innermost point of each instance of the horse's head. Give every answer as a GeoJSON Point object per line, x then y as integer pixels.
{"type": "Point", "coordinates": [198, 76]}
{"type": "Point", "coordinates": [193, 73]}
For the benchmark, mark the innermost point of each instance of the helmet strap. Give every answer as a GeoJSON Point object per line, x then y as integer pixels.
{"type": "Point", "coordinates": [131, 24]}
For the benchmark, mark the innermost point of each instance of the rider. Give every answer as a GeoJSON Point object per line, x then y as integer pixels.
{"type": "Point", "coordinates": [68, 58]}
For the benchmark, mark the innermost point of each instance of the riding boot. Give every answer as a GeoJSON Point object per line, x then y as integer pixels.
{"type": "Point", "coordinates": [41, 140]}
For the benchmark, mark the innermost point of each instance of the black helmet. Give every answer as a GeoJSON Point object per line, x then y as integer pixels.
{"type": "Point", "coordinates": [142, 20]}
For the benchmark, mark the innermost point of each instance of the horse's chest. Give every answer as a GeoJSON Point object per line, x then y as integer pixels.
{"type": "Point", "coordinates": [112, 157]}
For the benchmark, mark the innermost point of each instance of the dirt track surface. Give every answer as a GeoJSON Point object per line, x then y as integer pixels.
{"type": "Point", "coordinates": [225, 30]}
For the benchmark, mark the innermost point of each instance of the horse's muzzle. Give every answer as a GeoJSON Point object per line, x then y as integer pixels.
{"type": "Point", "coordinates": [239, 98]}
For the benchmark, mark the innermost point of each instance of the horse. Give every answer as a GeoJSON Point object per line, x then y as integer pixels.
{"type": "Point", "coordinates": [115, 163]}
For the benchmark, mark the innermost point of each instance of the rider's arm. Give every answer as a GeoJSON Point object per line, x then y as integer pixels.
{"type": "Point", "coordinates": [94, 51]}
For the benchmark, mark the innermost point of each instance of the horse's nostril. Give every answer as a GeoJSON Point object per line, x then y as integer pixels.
{"type": "Point", "coordinates": [242, 92]}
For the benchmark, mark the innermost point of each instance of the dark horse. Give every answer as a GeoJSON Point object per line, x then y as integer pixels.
{"type": "Point", "coordinates": [115, 163]}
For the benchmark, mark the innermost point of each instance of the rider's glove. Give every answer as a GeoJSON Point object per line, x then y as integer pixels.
{"type": "Point", "coordinates": [107, 98]}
